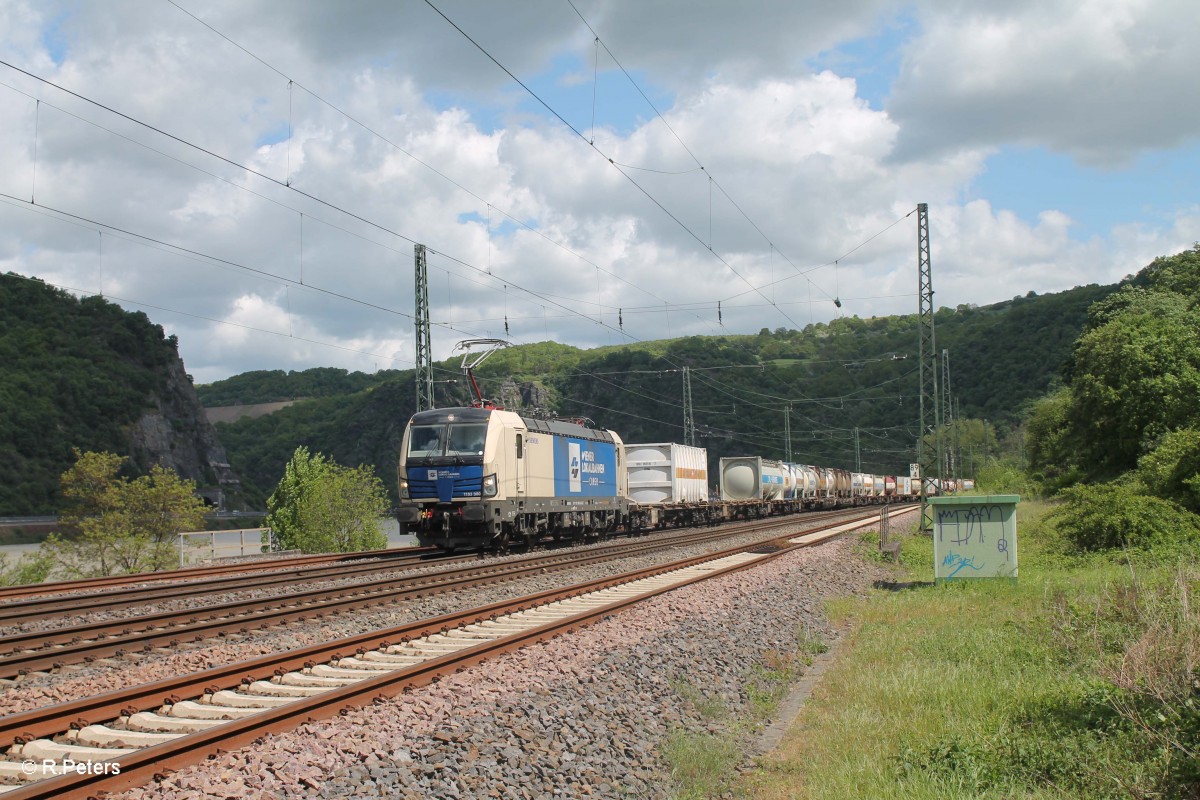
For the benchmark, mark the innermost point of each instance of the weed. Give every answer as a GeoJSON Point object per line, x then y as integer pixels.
{"type": "Point", "coordinates": [702, 765]}
{"type": "Point", "coordinates": [709, 708]}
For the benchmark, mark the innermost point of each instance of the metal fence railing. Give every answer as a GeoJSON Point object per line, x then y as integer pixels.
{"type": "Point", "coordinates": [196, 546]}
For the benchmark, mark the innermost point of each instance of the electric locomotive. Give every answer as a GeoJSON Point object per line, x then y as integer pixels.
{"type": "Point", "coordinates": [482, 477]}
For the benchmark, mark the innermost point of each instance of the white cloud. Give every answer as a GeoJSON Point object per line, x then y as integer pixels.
{"type": "Point", "coordinates": [816, 169]}
{"type": "Point", "coordinates": [1101, 79]}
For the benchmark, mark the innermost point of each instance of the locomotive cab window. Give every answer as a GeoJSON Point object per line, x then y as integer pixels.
{"type": "Point", "coordinates": [466, 440]}
{"type": "Point", "coordinates": [427, 440]}
{"type": "Point", "coordinates": [520, 446]}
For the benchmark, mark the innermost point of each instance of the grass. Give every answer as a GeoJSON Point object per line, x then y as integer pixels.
{"type": "Point", "coordinates": [704, 763]}
{"type": "Point", "coordinates": [995, 689]}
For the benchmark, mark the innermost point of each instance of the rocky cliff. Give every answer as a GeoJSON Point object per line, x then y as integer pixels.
{"type": "Point", "coordinates": [84, 374]}
{"type": "Point", "coordinates": [176, 434]}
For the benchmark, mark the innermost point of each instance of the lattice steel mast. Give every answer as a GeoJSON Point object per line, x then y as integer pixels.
{"type": "Point", "coordinates": [424, 349]}
{"type": "Point", "coordinates": [948, 420]}
{"type": "Point", "coordinates": [929, 454]}
{"type": "Point", "coordinates": [787, 432]}
{"type": "Point", "coordinates": [689, 419]}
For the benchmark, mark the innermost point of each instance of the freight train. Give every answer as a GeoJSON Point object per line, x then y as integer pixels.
{"type": "Point", "coordinates": [482, 477]}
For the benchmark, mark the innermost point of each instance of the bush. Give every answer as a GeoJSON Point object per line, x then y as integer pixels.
{"type": "Point", "coordinates": [320, 506]}
{"type": "Point", "coordinates": [1110, 516]}
{"type": "Point", "coordinates": [29, 568]}
{"type": "Point", "coordinates": [1144, 636]}
{"type": "Point", "coordinates": [1172, 469]}
{"type": "Point", "coordinates": [124, 525]}
{"type": "Point", "coordinates": [1006, 478]}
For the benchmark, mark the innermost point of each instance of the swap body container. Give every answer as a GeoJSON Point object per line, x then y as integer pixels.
{"type": "Point", "coordinates": [751, 478]}
{"type": "Point", "coordinates": [666, 473]}
{"type": "Point", "coordinates": [806, 481]}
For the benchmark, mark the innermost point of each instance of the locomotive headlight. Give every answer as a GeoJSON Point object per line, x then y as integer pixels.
{"type": "Point", "coordinates": [404, 490]}
{"type": "Point", "coordinates": [489, 486]}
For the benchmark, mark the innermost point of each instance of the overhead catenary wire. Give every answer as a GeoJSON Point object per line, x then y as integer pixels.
{"type": "Point", "coordinates": [275, 181]}
{"type": "Point", "coordinates": [666, 308]}
{"type": "Point", "coordinates": [713, 182]}
{"type": "Point", "coordinates": [579, 135]}
{"type": "Point", "coordinates": [291, 83]}
{"type": "Point", "coordinates": [608, 158]}
{"type": "Point", "coordinates": [513, 218]}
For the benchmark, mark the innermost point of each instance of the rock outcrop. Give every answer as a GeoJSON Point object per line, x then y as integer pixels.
{"type": "Point", "coordinates": [175, 433]}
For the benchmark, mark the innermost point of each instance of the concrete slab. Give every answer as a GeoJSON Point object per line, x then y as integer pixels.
{"type": "Point", "coordinates": [40, 749]}
{"type": "Point", "coordinates": [272, 689]}
{"type": "Point", "coordinates": [239, 700]}
{"type": "Point", "coordinates": [104, 736]}
{"type": "Point", "coordinates": [157, 723]}
{"type": "Point", "coordinates": [190, 709]}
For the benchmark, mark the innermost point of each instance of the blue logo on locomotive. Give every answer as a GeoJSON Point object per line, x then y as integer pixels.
{"type": "Point", "coordinates": [584, 468]}
{"type": "Point", "coordinates": [445, 483]}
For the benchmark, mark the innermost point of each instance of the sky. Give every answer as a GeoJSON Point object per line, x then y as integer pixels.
{"type": "Point", "coordinates": [254, 174]}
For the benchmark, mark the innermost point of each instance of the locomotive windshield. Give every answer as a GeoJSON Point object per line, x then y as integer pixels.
{"type": "Point", "coordinates": [426, 440]}
{"type": "Point", "coordinates": [466, 439]}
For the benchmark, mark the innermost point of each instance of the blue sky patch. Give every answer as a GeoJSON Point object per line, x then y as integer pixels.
{"type": "Point", "coordinates": [873, 61]}
{"type": "Point", "coordinates": [485, 117]}
{"type": "Point", "coordinates": [1028, 181]}
{"type": "Point", "coordinates": [274, 135]}
{"type": "Point", "coordinates": [502, 226]}
{"type": "Point", "coordinates": [54, 40]}
{"type": "Point", "coordinates": [590, 99]}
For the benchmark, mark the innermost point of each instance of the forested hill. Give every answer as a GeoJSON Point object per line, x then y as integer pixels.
{"type": "Point", "coordinates": [849, 373]}
{"type": "Point", "coordinates": [275, 385]}
{"type": "Point", "coordinates": [86, 374]}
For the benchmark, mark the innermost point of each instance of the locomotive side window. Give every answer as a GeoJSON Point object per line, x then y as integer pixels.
{"type": "Point", "coordinates": [466, 440]}
{"type": "Point", "coordinates": [426, 440]}
{"type": "Point", "coordinates": [520, 446]}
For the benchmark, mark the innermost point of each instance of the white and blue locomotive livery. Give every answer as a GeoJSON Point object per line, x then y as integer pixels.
{"type": "Point", "coordinates": [485, 477]}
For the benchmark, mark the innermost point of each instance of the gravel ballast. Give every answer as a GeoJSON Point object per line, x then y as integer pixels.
{"type": "Point", "coordinates": [79, 680]}
{"type": "Point", "coordinates": [585, 715]}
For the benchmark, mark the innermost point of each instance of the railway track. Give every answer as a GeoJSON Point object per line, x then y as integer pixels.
{"type": "Point", "coordinates": [46, 650]}
{"type": "Point", "coordinates": [212, 570]}
{"type": "Point", "coordinates": [20, 607]}
{"type": "Point", "coordinates": [17, 611]}
{"type": "Point", "coordinates": [128, 737]}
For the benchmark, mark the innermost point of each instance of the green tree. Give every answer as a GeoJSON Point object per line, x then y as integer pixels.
{"type": "Point", "coordinates": [123, 525]}
{"type": "Point", "coordinates": [1050, 443]}
{"type": "Point", "coordinates": [320, 506]}
{"type": "Point", "coordinates": [1172, 469]}
{"type": "Point", "coordinates": [1108, 516]}
{"type": "Point", "coordinates": [29, 568]}
{"type": "Point", "coordinates": [1134, 379]}
{"type": "Point", "coordinates": [1179, 273]}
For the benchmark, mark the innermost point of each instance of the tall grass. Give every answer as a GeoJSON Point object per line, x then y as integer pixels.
{"type": "Point", "coordinates": [1078, 681]}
